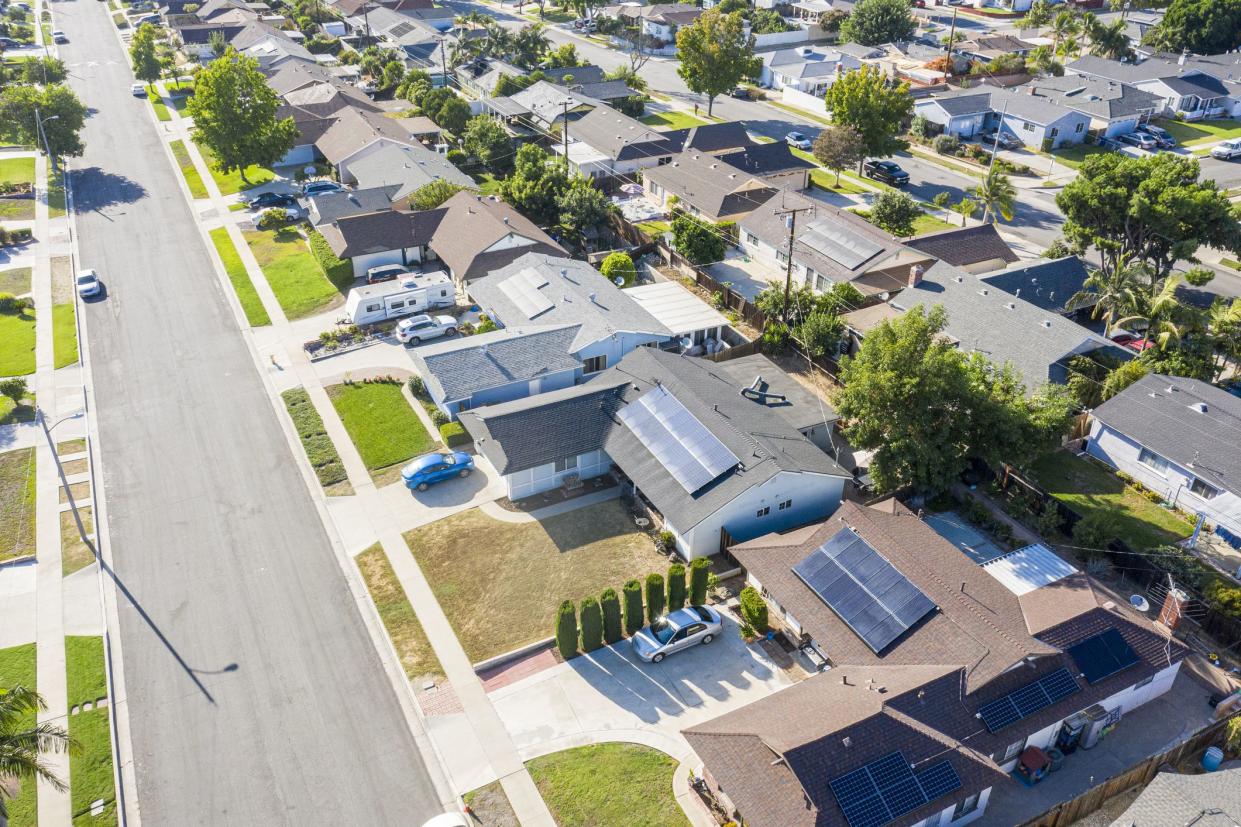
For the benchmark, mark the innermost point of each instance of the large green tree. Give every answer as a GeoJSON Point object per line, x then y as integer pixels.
{"type": "Point", "coordinates": [1202, 26]}
{"type": "Point", "coordinates": [875, 22]}
{"type": "Point", "coordinates": [23, 108]}
{"type": "Point", "coordinates": [868, 101]}
{"type": "Point", "coordinates": [234, 112]}
{"type": "Point", "coordinates": [144, 55]}
{"type": "Point", "coordinates": [535, 185]}
{"type": "Point", "coordinates": [715, 54]}
{"type": "Point", "coordinates": [697, 240]}
{"type": "Point", "coordinates": [486, 140]}
{"type": "Point", "coordinates": [839, 147]}
{"type": "Point", "coordinates": [583, 206]}
{"type": "Point", "coordinates": [895, 212]}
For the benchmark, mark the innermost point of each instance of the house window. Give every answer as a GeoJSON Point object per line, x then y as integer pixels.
{"type": "Point", "coordinates": [566, 464]}
{"type": "Point", "coordinates": [595, 364]}
{"type": "Point", "coordinates": [1014, 749]}
{"type": "Point", "coordinates": [786, 504]}
{"type": "Point", "coordinates": [764, 511]}
{"type": "Point", "coordinates": [1027, 126]}
{"type": "Point", "coordinates": [1055, 130]}
{"type": "Point", "coordinates": [1207, 492]}
{"type": "Point", "coordinates": [397, 305]}
{"type": "Point", "coordinates": [1144, 682]}
{"type": "Point", "coordinates": [751, 238]}
{"type": "Point", "coordinates": [1153, 460]}
{"type": "Point", "coordinates": [1079, 128]}
{"type": "Point", "coordinates": [822, 284]}
{"type": "Point", "coordinates": [966, 807]}
{"type": "Point", "coordinates": [782, 257]}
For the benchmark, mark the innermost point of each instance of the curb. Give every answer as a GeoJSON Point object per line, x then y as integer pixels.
{"type": "Point", "coordinates": [515, 654]}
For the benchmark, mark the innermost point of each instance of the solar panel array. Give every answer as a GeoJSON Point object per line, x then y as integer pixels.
{"type": "Point", "coordinates": [1103, 655]}
{"type": "Point", "coordinates": [401, 29]}
{"type": "Point", "coordinates": [691, 454]}
{"type": "Point", "coordinates": [1024, 702]}
{"type": "Point", "coordinates": [847, 249]}
{"type": "Point", "coordinates": [523, 290]}
{"type": "Point", "coordinates": [866, 591]}
{"type": "Point", "coordinates": [887, 788]}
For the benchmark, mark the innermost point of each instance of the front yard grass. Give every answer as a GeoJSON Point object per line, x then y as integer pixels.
{"type": "Point", "coordinates": [408, 638]}
{"type": "Point", "coordinates": [295, 277]}
{"type": "Point", "coordinates": [15, 281]}
{"type": "Point", "coordinates": [1074, 154]}
{"type": "Point", "coordinates": [64, 335]}
{"type": "Point", "coordinates": [500, 583]}
{"type": "Point", "coordinates": [17, 343]}
{"type": "Point", "coordinates": [826, 179]}
{"type": "Point", "coordinates": [56, 195]}
{"type": "Point", "coordinates": [17, 668]}
{"type": "Point", "coordinates": [316, 443]}
{"type": "Point", "coordinates": [822, 119]}
{"type": "Point", "coordinates": [74, 554]}
{"type": "Point", "coordinates": [230, 183]}
{"type": "Point", "coordinates": [84, 669]}
{"type": "Point", "coordinates": [17, 170]}
{"type": "Point", "coordinates": [1201, 132]}
{"type": "Point", "coordinates": [90, 769]}
{"type": "Point", "coordinates": [672, 120]}
{"type": "Point", "coordinates": [1090, 488]}
{"type": "Point", "coordinates": [251, 304]}
{"type": "Point", "coordinates": [192, 179]}
{"type": "Point", "coordinates": [161, 111]}
{"type": "Point", "coordinates": [610, 783]}
{"type": "Point", "coordinates": [929, 223]}
{"type": "Point", "coordinates": [381, 423]}
{"type": "Point", "coordinates": [17, 209]}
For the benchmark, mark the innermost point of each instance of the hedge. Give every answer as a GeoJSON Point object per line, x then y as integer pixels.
{"type": "Point", "coordinates": [676, 587]}
{"type": "Point", "coordinates": [610, 604]}
{"type": "Point", "coordinates": [338, 271]}
{"type": "Point", "coordinates": [453, 434]}
{"type": "Point", "coordinates": [592, 625]}
{"type": "Point", "coordinates": [633, 606]}
{"type": "Point", "coordinates": [566, 630]}
{"type": "Point", "coordinates": [754, 609]}
{"type": "Point", "coordinates": [699, 577]}
{"type": "Point", "coordinates": [654, 596]}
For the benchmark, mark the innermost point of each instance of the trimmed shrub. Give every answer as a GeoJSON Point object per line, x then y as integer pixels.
{"type": "Point", "coordinates": [676, 587]}
{"type": "Point", "coordinates": [592, 625]}
{"type": "Point", "coordinates": [1091, 535]}
{"type": "Point", "coordinates": [654, 596]}
{"type": "Point", "coordinates": [946, 144]}
{"type": "Point", "coordinates": [337, 270]}
{"type": "Point", "coordinates": [619, 265]}
{"type": "Point", "coordinates": [633, 606]}
{"type": "Point", "coordinates": [610, 603]}
{"type": "Point", "coordinates": [665, 542]}
{"type": "Point", "coordinates": [416, 386]}
{"type": "Point", "coordinates": [566, 630]}
{"type": "Point", "coordinates": [274, 219]}
{"type": "Point", "coordinates": [699, 581]}
{"type": "Point", "coordinates": [438, 417]}
{"type": "Point", "coordinates": [754, 609]}
{"type": "Point", "coordinates": [453, 434]}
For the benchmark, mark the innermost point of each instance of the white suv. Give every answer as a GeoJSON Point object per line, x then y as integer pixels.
{"type": "Point", "coordinates": [416, 329]}
{"type": "Point", "coordinates": [1227, 150]}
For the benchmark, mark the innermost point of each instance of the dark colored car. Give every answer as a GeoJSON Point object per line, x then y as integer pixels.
{"type": "Point", "coordinates": [741, 92]}
{"type": "Point", "coordinates": [267, 200]}
{"type": "Point", "coordinates": [1162, 136]}
{"type": "Point", "coordinates": [886, 171]}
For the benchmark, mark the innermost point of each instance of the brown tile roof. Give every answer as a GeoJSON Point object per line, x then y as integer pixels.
{"type": "Point", "coordinates": [1057, 602]}
{"type": "Point", "coordinates": [965, 246]}
{"type": "Point", "coordinates": [473, 223]}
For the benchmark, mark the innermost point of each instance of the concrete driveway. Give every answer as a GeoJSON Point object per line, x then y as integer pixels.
{"type": "Point", "coordinates": [610, 695]}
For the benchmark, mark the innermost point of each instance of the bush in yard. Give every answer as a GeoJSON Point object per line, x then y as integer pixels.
{"type": "Point", "coordinates": [337, 270]}
{"type": "Point", "coordinates": [566, 630]}
{"type": "Point", "coordinates": [416, 386]}
{"type": "Point", "coordinates": [633, 606]}
{"type": "Point", "coordinates": [438, 418]}
{"type": "Point", "coordinates": [453, 434]}
{"type": "Point", "coordinates": [676, 587]}
{"type": "Point", "coordinates": [1091, 535]}
{"type": "Point", "coordinates": [665, 542]}
{"type": "Point", "coordinates": [11, 304]}
{"type": "Point", "coordinates": [754, 609]}
{"type": "Point", "coordinates": [592, 625]}
{"type": "Point", "coordinates": [619, 265]}
{"type": "Point", "coordinates": [610, 604]}
{"type": "Point", "coordinates": [1049, 520]}
{"type": "Point", "coordinates": [946, 144]}
{"type": "Point", "coordinates": [654, 596]}
{"type": "Point", "coordinates": [14, 389]}
{"type": "Point", "coordinates": [699, 580]}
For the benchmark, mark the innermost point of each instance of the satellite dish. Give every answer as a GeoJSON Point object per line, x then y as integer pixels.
{"type": "Point", "coordinates": [1138, 602]}
{"type": "Point", "coordinates": [687, 343]}
{"type": "Point", "coordinates": [309, 169]}
{"type": "Point", "coordinates": [620, 281]}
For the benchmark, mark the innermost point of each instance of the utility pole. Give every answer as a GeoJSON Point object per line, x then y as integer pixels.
{"type": "Point", "coordinates": [443, 64]}
{"type": "Point", "coordinates": [566, 132]}
{"type": "Point", "coordinates": [952, 32]}
{"type": "Point", "coordinates": [790, 221]}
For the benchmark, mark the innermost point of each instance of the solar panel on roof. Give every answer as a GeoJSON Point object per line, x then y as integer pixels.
{"type": "Point", "coordinates": [523, 290]}
{"type": "Point", "coordinates": [866, 591]}
{"type": "Point", "coordinates": [1024, 702]}
{"type": "Point", "coordinates": [401, 29]}
{"type": "Point", "coordinates": [691, 454]}
{"type": "Point", "coordinates": [847, 249]}
{"type": "Point", "coordinates": [1103, 655]}
{"type": "Point", "coordinates": [887, 788]}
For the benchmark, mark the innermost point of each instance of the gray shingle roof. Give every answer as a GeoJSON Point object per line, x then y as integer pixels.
{"type": "Point", "coordinates": [1210, 800]}
{"type": "Point", "coordinates": [765, 159]}
{"type": "Point", "coordinates": [800, 408]}
{"type": "Point", "coordinates": [965, 102]}
{"type": "Point", "coordinates": [1157, 412]}
{"type": "Point", "coordinates": [1046, 284]}
{"type": "Point", "coordinates": [378, 232]}
{"type": "Point", "coordinates": [965, 246]}
{"type": "Point", "coordinates": [354, 130]}
{"type": "Point", "coordinates": [623, 138]}
{"type": "Point", "coordinates": [408, 167]}
{"type": "Point", "coordinates": [457, 368]}
{"type": "Point", "coordinates": [331, 206]}
{"type": "Point", "coordinates": [1204, 86]}
{"type": "Point", "coordinates": [1096, 96]}
{"type": "Point", "coordinates": [1198, 75]}
{"type": "Point", "coordinates": [715, 189]}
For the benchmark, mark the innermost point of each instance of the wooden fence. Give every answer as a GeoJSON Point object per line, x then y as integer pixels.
{"type": "Point", "coordinates": [1067, 812]}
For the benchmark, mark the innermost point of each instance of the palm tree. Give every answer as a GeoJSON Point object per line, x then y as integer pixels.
{"type": "Point", "coordinates": [1063, 25]}
{"type": "Point", "coordinates": [965, 207]}
{"type": "Point", "coordinates": [1224, 329]}
{"type": "Point", "coordinates": [473, 19]}
{"type": "Point", "coordinates": [1156, 308]}
{"type": "Point", "coordinates": [1108, 39]}
{"type": "Point", "coordinates": [1113, 296]}
{"type": "Point", "coordinates": [997, 195]}
{"type": "Point", "coordinates": [528, 44]}
{"type": "Point", "coordinates": [22, 745]}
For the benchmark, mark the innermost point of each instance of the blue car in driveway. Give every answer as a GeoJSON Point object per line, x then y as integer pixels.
{"type": "Point", "coordinates": [428, 469]}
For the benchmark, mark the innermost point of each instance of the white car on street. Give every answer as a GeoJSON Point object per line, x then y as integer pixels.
{"type": "Point", "coordinates": [138, 90]}
{"type": "Point", "coordinates": [798, 141]}
{"type": "Point", "coordinates": [416, 329]}
{"type": "Point", "coordinates": [87, 283]}
{"type": "Point", "coordinates": [1227, 150]}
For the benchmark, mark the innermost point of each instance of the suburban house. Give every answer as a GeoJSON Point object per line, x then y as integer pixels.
{"type": "Point", "coordinates": [830, 245]}
{"type": "Point", "coordinates": [1036, 120]}
{"type": "Point", "coordinates": [908, 59]}
{"type": "Point", "coordinates": [1045, 283]}
{"type": "Point", "coordinates": [331, 206]}
{"type": "Point", "coordinates": [706, 187]}
{"type": "Point", "coordinates": [1113, 108]}
{"type": "Point", "coordinates": [271, 47]}
{"type": "Point", "coordinates": [384, 237]}
{"type": "Point", "coordinates": [699, 447]}
{"type": "Point", "coordinates": [809, 69]}
{"type": "Point", "coordinates": [964, 113]}
{"type": "Point", "coordinates": [772, 163]}
{"type": "Point", "coordinates": [658, 22]}
{"type": "Point", "coordinates": [945, 675]}
{"type": "Point", "coordinates": [986, 48]}
{"type": "Point", "coordinates": [406, 166]}
{"type": "Point", "coordinates": [1182, 798]}
{"type": "Point", "coordinates": [1187, 86]}
{"type": "Point", "coordinates": [481, 234]}
{"type": "Point", "coordinates": [977, 249]}
{"type": "Point", "coordinates": [1178, 437]}
{"type": "Point", "coordinates": [356, 134]}
{"type": "Point", "coordinates": [694, 325]}
{"type": "Point", "coordinates": [481, 74]}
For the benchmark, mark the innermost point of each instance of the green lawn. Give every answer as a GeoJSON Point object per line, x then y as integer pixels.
{"type": "Point", "coordinates": [230, 183]}
{"type": "Point", "coordinates": [826, 179]}
{"type": "Point", "coordinates": [16, 170]}
{"type": "Point", "coordinates": [672, 120]}
{"type": "Point", "coordinates": [251, 304]}
{"type": "Point", "coordinates": [17, 209]}
{"type": "Point", "coordinates": [10, 412]}
{"type": "Point", "coordinates": [315, 441]}
{"type": "Point", "coordinates": [408, 637]}
{"type": "Point", "coordinates": [17, 668]}
{"type": "Point", "coordinates": [1227, 262]}
{"type": "Point", "coordinates": [120, 20]}
{"type": "Point", "coordinates": [1201, 132]}
{"type": "Point", "coordinates": [56, 195]}
{"type": "Point", "coordinates": [15, 281]}
{"type": "Point", "coordinates": [192, 179]}
{"type": "Point", "coordinates": [822, 119]}
{"type": "Point", "coordinates": [1072, 156]}
{"type": "Point", "coordinates": [605, 784]}
{"type": "Point", "coordinates": [64, 335]}
{"type": "Point", "coordinates": [1088, 487]}
{"type": "Point", "coordinates": [654, 229]}
{"type": "Point", "coordinates": [157, 103]}
{"type": "Point", "coordinates": [295, 277]}
{"type": "Point", "coordinates": [17, 503]}
{"type": "Point", "coordinates": [929, 223]}
{"type": "Point", "coordinates": [381, 423]}
{"type": "Point", "coordinates": [487, 182]}
{"type": "Point", "coordinates": [90, 769]}
{"type": "Point", "coordinates": [17, 343]}
{"type": "Point", "coordinates": [84, 669]}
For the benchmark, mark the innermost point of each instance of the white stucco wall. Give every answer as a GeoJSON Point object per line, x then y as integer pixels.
{"type": "Point", "coordinates": [546, 477]}
{"type": "Point", "coordinates": [409, 255]}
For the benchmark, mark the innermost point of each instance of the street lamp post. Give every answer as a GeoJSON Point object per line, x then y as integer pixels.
{"type": "Point", "coordinates": [39, 121]}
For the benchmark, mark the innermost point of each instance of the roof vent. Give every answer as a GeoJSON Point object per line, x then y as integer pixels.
{"type": "Point", "coordinates": [960, 279]}
{"type": "Point", "coordinates": [564, 272]}
{"type": "Point", "coordinates": [983, 292]}
{"type": "Point", "coordinates": [1171, 388]}
{"type": "Point", "coordinates": [1010, 305]}
{"type": "Point", "coordinates": [1047, 323]}
{"type": "Point", "coordinates": [847, 741]}
{"type": "Point", "coordinates": [506, 219]}
{"type": "Point", "coordinates": [593, 297]}
{"type": "Point", "coordinates": [1200, 407]}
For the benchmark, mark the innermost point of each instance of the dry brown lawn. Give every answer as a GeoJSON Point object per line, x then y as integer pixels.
{"type": "Point", "coordinates": [81, 490]}
{"type": "Point", "coordinates": [74, 554]}
{"type": "Point", "coordinates": [410, 641]}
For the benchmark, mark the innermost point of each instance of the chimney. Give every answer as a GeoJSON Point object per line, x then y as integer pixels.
{"type": "Point", "coordinates": [1173, 608]}
{"type": "Point", "coordinates": [1031, 91]}
{"type": "Point", "coordinates": [915, 275]}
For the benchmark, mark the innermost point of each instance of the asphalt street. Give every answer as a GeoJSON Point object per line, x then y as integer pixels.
{"type": "Point", "coordinates": [255, 694]}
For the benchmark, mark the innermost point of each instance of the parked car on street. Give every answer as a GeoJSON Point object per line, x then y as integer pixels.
{"type": "Point", "coordinates": [428, 469]}
{"type": "Point", "coordinates": [797, 140]}
{"type": "Point", "coordinates": [676, 631]}
{"type": "Point", "coordinates": [152, 19]}
{"type": "Point", "coordinates": [417, 329]}
{"type": "Point", "coordinates": [87, 283]}
{"type": "Point", "coordinates": [8, 43]}
{"type": "Point", "coordinates": [1162, 136]}
{"type": "Point", "coordinates": [265, 200]}
{"type": "Point", "coordinates": [138, 90]}
{"type": "Point", "coordinates": [1139, 139]}
{"type": "Point", "coordinates": [888, 172]}
{"type": "Point", "coordinates": [385, 272]}
{"type": "Point", "coordinates": [741, 92]}
{"type": "Point", "coordinates": [59, 37]}
{"type": "Point", "coordinates": [320, 187]}
{"type": "Point", "coordinates": [1227, 150]}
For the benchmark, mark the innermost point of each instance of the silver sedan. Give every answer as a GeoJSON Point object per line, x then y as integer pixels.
{"type": "Point", "coordinates": [676, 631]}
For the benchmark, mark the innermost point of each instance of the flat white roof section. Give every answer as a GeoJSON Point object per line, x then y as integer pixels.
{"type": "Point", "coordinates": [1029, 568]}
{"type": "Point", "coordinates": [676, 308]}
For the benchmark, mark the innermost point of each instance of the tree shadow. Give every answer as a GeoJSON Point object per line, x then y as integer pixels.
{"type": "Point", "coordinates": [94, 189]}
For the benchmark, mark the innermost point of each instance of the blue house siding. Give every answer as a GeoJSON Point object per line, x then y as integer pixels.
{"type": "Point", "coordinates": [506, 393]}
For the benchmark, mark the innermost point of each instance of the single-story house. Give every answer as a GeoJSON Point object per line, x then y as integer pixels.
{"type": "Point", "coordinates": [696, 326]}
{"type": "Point", "coordinates": [408, 167]}
{"type": "Point", "coordinates": [706, 187]}
{"type": "Point", "coordinates": [962, 114]}
{"type": "Point", "coordinates": [774, 164]}
{"type": "Point", "coordinates": [384, 237]}
{"type": "Point", "coordinates": [937, 694]}
{"type": "Point", "coordinates": [1036, 120]}
{"type": "Point", "coordinates": [546, 103]}
{"type": "Point", "coordinates": [1184, 798]}
{"type": "Point", "coordinates": [986, 48]}
{"type": "Point", "coordinates": [768, 385]}
{"type": "Point", "coordinates": [356, 134]}
{"type": "Point", "coordinates": [1045, 283]}
{"type": "Point", "coordinates": [332, 206]}
{"type": "Point", "coordinates": [710, 459]}
{"type": "Point", "coordinates": [311, 127]}
{"type": "Point", "coordinates": [1113, 108]}
{"type": "Point", "coordinates": [1179, 437]}
{"type": "Point", "coordinates": [658, 21]}
{"type": "Point", "coordinates": [809, 69]}
{"type": "Point", "coordinates": [974, 249]}
{"type": "Point", "coordinates": [481, 234]}
{"type": "Point", "coordinates": [270, 46]}
{"type": "Point", "coordinates": [1187, 86]}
